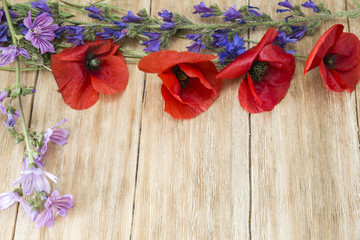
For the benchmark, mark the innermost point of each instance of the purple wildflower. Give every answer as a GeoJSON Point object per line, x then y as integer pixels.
{"type": "Point", "coordinates": [3, 33]}
{"type": "Point", "coordinates": [35, 178]}
{"type": "Point", "coordinates": [55, 203]}
{"type": "Point", "coordinates": [253, 11]}
{"type": "Point", "coordinates": [298, 32]}
{"type": "Point", "coordinates": [130, 17]}
{"type": "Point", "coordinates": [197, 45]}
{"type": "Point", "coordinates": [11, 119]}
{"type": "Point", "coordinates": [3, 96]}
{"type": "Point", "coordinates": [117, 34]}
{"type": "Point", "coordinates": [154, 43]}
{"type": "Point", "coordinates": [231, 14]}
{"type": "Point", "coordinates": [75, 35]}
{"type": "Point", "coordinates": [8, 54]}
{"type": "Point", "coordinates": [166, 15]}
{"type": "Point", "coordinates": [8, 199]}
{"type": "Point", "coordinates": [202, 9]}
{"type": "Point", "coordinates": [220, 37]}
{"type": "Point", "coordinates": [285, 4]}
{"type": "Point", "coordinates": [311, 4]}
{"type": "Point", "coordinates": [167, 25]}
{"type": "Point", "coordinates": [41, 4]}
{"type": "Point", "coordinates": [37, 161]}
{"type": "Point", "coordinates": [57, 136]}
{"type": "Point", "coordinates": [41, 31]}
{"type": "Point", "coordinates": [13, 15]}
{"type": "Point", "coordinates": [95, 12]}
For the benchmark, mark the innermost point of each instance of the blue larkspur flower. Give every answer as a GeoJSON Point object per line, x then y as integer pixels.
{"type": "Point", "coordinates": [233, 48]}
{"type": "Point", "coordinates": [252, 10]}
{"type": "Point", "coordinates": [231, 14]}
{"type": "Point", "coordinates": [312, 5]}
{"type": "Point", "coordinates": [154, 43]}
{"type": "Point", "coordinates": [197, 45]}
{"type": "Point", "coordinates": [130, 17]}
{"type": "Point", "coordinates": [203, 10]}
{"type": "Point", "coordinates": [3, 33]}
{"type": "Point", "coordinates": [41, 4]}
{"type": "Point", "coordinates": [285, 4]}
{"type": "Point", "coordinates": [95, 12]}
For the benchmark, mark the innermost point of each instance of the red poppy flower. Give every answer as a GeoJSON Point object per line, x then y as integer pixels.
{"type": "Point", "coordinates": [268, 70]}
{"type": "Point", "coordinates": [338, 55]}
{"type": "Point", "coordinates": [189, 83]}
{"type": "Point", "coordinates": [83, 72]}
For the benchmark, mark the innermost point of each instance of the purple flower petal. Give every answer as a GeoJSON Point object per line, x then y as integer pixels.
{"type": "Point", "coordinates": [46, 218]}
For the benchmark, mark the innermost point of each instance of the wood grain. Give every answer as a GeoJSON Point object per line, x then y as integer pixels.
{"type": "Point", "coordinates": [193, 180]}
{"type": "Point", "coordinates": [98, 164]}
{"type": "Point", "coordinates": [305, 158]}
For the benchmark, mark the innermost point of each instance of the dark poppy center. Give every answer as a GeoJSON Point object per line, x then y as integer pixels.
{"type": "Point", "coordinates": [181, 76]}
{"type": "Point", "coordinates": [258, 70]}
{"type": "Point", "coordinates": [92, 62]}
{"type": "Point", "coordinates": [329, 60]}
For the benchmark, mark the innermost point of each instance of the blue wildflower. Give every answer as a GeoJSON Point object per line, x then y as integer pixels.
{"type": "Point", "coordinates": [95, 12]}
{"type": "Point", "coordinates": [130, 17]}
{"type": "Point", "coordinates": [41, 4]}
{"type": "Point", "coordinates": [231, 14]}
{"type": "Point", "coordinates": [220, 37]}
{"type": "Point", "coordinates": [166, 15]}
{"type": "Point", "coordinates": [285, 4]}
{"type": "Point", "coordinates": [154, 43]}
{"type": "Point", "coordinates": [311, 4]}
{"type": "Point", "coordinates": [3, 33]}
{"type": "Point", "coordinates": [76, 35]}
{"type": "Point", "coordinates": [282, 39]}
{"type": "Point", "coordinates": [232, 49]}
{"type": "Point", "coordinates": [58, 31]}
{"type": "Point", "coordinates": [298, 32]}
{"type": "Point", "coordinates": [13, 15]}
{"type": "Point", "coordinates": [116, 33]}
{"type": "Point", "coordinates": [197, 45]}
{"type": "Point", "coordinates": [202, 9]}
{"type": "Point", "coordinates": [253, 11]}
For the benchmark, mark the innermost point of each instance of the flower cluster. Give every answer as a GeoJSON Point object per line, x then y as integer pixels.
{"type": "Point", "coordinates": [34, 191]}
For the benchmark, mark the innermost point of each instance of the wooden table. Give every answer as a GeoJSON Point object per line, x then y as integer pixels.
{"type": "Point", "coordinates": [136, 173]}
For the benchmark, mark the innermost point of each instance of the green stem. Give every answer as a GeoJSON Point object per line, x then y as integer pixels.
{"type": "Point", "coordinates": [290, 22]}
{"type": "Point", "coordinates": [11, 27]}
{"type": "Point", "coordinates": [132, 56]}
{"type": "Point", "coordinates": [300, 56]}
{"type": "Point", "coordinates": [74, 8]}
{"type": "Point", "coordinates": [132, 51]}
{"type": "Point", "coordinates": [17, 69]}
{"type": "Point", "coordinates": [22, 70]}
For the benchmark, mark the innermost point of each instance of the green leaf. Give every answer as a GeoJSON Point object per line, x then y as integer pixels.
{"type": "Point", "coordinates": [357, 3]}
{"type": "Point", "coordinates": [66, 15]}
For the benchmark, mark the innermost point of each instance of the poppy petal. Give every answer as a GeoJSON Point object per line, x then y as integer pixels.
{"type": "Point", "coordinates": [269, 95]}
{"type": "Point", "coordinates": [74, 83]}
{"type": "Point", "coordinates": [171, 83]}
{"type": "Point", "coordinates": [243, 62]}
{"type": "Point", "coordinates": [325, 42]}
{"type": "Point", "coordinates": [331, 79]}
{"type": "Point", "coordinates": [351, 78]}
{"type": "Point", "coordinates": [177, 109]}
{"type": "Point", "coordinates": [209, 72]}
{"type": "Point", "coordinates": [112, 76]}
{"type": "Point", "coordinates": [196, 93]}
{"type": "Point", "coordinates": [347, 49]}
{"type": "Point", "coordinates": [159, 62]}
{"type": "Point", "coordinates": [281, 65]}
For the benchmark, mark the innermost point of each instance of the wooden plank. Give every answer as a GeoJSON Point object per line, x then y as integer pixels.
{"type": "Point", "coordinates": [11, 153]}
{"type": "Point", "coordinates": [193, 180]}
{"type": "Point", "coordinates": [305, 157]}
{"type": "Point", "coordinates": [98, 164]}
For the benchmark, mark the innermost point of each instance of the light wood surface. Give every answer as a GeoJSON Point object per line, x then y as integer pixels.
{"type": "Point", "coordinates": [136, 173]}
